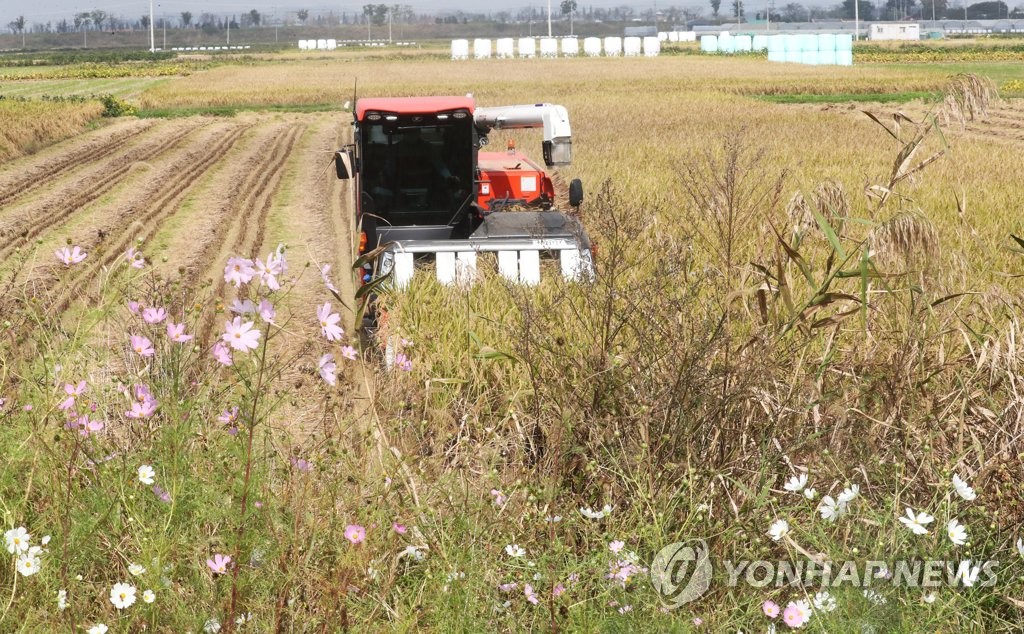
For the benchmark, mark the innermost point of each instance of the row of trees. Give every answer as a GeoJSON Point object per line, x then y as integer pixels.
{"type": "Point", "coordinates": [380, 14]}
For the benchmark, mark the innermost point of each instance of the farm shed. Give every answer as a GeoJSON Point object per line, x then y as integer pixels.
{"type": "Point", "coordinates": [895, 31]}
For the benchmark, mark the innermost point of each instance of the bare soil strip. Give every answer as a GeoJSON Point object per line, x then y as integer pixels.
{"type": "Point", "coordinates": [249, 208]}
{"type": "Point", "coordinates": [42, 171]}
{"type": "Point", "coordinates": [34, 219]}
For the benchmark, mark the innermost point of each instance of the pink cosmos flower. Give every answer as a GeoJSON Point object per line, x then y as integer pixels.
{"type": "Point", "coordinates": [72, 391]}
{"type": "Point", "coordinates": [399, 528]}
{"type": "Point", "coordinates": [228, 416]}
{"type": "Point", "coordinates": [86, 426]}
{"type": "Point", "coordinates": [329, 322]}
{"type": "Point", "coordinates": [531, 596]}
{"type": "Point", "coordinates": [135, 259]}
{"type": "Point", "coordinates": [355, 533]}
{"type": "Point", "coordinates": [134, 308]}
{"type": "Point", "coordinates": [328, 369]}
{"type": "Point", "coordinates": [301, 465]}
{"type": "Point", "coordinates": [239, 271]}
{"type": "Point", "coordinates": [70, 255]}
{"type": "Point", "coordinates": [508, 587]}
{"type": "Point", "coordinates": [176, 333]}
{"type": "Point", "coordinates": [143, 409]}
{"type": "Point", "coordinates": [324, 272]}
{"type": "Point", "coordinates": [162, 494]}
{"type": "Point", "coordinates": [698, 621]}
{"type": "Point", "coordinates": [142, 346]}
{"type": "Point", "coordinates": [558, 590]}
{"type": "Point", "coordinates": [349, 353]}
{"type": "Point", "coordinates": [142, 393]}
{"type": "Point", "coordinates": [616, 546]}
{"type": "Point", "coordinates": [499, 498]}
{"type": "Point", "coordinates": [243, 307]}
{"type": "Point", "coordinates": [275, 266]}
{"type": "Point", "coordinates": [222, 354]}
{"type": "Point", "coordinates": [241, 336]}
{"type": "Point", "coordinates": [219, 564]}
{"type": "Point", "coordinates": [403, 362]}
{"type": "Point", "coordinates": [626, 608]}
{"type": "Point", "coordinates": [793, 616]}
{"type": "Point", "coordinates": [27, 408]}
{"type": "Point", "coordinates": [770, 609]}
{"type": "Point", "coordinates": [154, 315]}
{"type": "Point", "coordinates": [266, 311]}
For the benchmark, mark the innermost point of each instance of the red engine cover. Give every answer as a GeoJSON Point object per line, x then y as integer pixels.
{"type": "Point", "coordinates": [512, 177]}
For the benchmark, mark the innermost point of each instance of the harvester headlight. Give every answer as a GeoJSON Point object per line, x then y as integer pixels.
{"type": "Point", "coordinates": [461, 114]}
{"type": "Point", "coordinates": [373, 116]}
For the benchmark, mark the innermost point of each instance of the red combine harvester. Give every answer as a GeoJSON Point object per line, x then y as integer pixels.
{"type": "Point", "coordinates": [424, 190]}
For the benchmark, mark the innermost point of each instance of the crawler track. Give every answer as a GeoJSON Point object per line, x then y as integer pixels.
{"type": "Point", "coordinates": [248, 210]}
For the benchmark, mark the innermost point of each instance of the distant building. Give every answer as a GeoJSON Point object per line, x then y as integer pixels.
{"type": "Point", "coordinates": [894, 31]}
{"type": "Point", "coordinates": [640, 31]}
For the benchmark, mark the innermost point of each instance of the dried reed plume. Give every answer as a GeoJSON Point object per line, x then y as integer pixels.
{"type": "Point", "coordinates": [829, 200]}
{"type": "Point", "coordinates": [967, 96]}
{"type": "Point", "coordinates": [906, 237]}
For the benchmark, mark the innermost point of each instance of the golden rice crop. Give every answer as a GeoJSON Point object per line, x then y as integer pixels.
{"type": "Point", "coordinates": [28, 125]}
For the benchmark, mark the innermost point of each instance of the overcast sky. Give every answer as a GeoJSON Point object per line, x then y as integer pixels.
{"type": "Point", "coordinates": [54, 10]}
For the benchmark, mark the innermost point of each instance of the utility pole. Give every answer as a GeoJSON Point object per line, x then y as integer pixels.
{"type": "Point", "coordinates": [164, 21]}
{"type": "Point", "coordinates": [390, 12]}
{"type": "Point", "coordinates": [856, 19]}
{"type": "Point", "coordinates": [152, 34]}
{"type": "Point", "coordinates": [229, 30]}
{"type": "Point", "coordinates": [549, 18]}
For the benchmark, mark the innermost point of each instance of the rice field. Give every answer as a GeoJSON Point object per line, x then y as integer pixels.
{"type": "Point", "coordinates": [800, 346]}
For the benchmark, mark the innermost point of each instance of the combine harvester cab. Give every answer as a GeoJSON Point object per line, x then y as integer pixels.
{"type": "Point", "coordinates": [425, 191]}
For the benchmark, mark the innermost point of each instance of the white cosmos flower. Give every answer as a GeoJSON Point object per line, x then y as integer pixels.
{"type": "Point", "coordinates": [824, 602]}
{"type": "Point", "coordinates": [849, 494]}
{"type": "Point", "coordinates": [929, 598]}
{"type": "Point", "coordinates": [515, 550]}
{"type": "Point", "coordinates": [1020, 546]}
{"type": "Point", "coordinates": [830, 509]}
{"type": "Point", "coordinates": [135, 570]}
{"type": "Point", "coordinates": [587, 512]}
{"type": "Point", "coordinates": [212, 626]}
{"type": "Point", "coordinates": [149, 596]}
{"type": "Point", "coordinates": [963, 489]}
{"type": "Point", "coordinates": [28, 564]}
{"type": "Point", "coordinates": [778, 529]}
{"type": "Point", "coordinates": [146, 474]}
{"type": "Point", "coordinates": [62, 600]}
{"type": "Point", "coordinates": [414, 552]}
{"type": "Point", "coordinates": [45, 540]}
{"type": "Point", "coordinates": [957, 533]}
{"type": "Point", "coordinates": [916, 521]}
{"type": "Point", "coordinates": [810, 493]}
{"type": "Point", "coordinates": [967, 574]}
{"type": "Point", "coordinates": [122, 595]}
{"type": "Point", "coordinates": [796, 484]}
{"type": "Point", "coordinates": [17, 540]}
{"type": "Point", "coordinates": [99, 628]}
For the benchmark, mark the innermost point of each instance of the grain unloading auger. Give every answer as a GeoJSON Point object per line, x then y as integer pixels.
{"type": "Point", "coordinates": [425, 190]}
